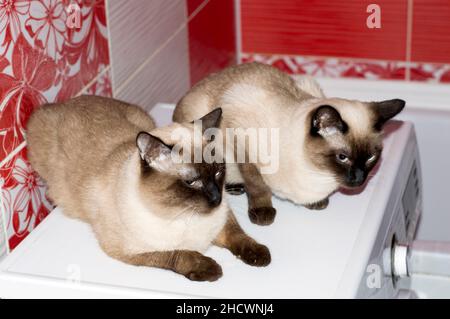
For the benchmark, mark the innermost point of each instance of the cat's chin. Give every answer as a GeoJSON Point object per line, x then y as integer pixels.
{"type": "Point", "coordinates": [353, 186]}
{"type": "Point", "coordinates": [352, 189]}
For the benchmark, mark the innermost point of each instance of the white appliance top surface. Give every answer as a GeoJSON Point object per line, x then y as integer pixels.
{"type": "Point", "coordinates": [310, 250]}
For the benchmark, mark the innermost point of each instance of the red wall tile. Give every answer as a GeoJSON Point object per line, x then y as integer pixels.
{"type": "Point", "coordinates": [430, 72]}
{"type": "Point", "coordinates": [319, 27]}
{"type": "Point", "coordinates": [431, 31]}
{"type": "Point", "coordinates": [23, 198]}
{"type": "Point", "coordinates": [211, 38]}
{"type": "Point", "coordinates": [192, 5]}
{"type": "Point", "coordinates": [42, 60]}
{"type": "Point", "coordinates": [332, 68]}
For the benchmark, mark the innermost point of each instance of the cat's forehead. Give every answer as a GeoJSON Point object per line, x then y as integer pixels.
{"type": "Point", "coordinates": [187, 171]}
{"type": "Point", "coordinates": [360, 135]}
{"type": "Point", "coordinates": [171, 133]}
{"type": "Point", "coordinates": [181, 134]}
{"type": "Point", "coordinates": [358, 115]}
{"type": "Point", "coordinates": [195, 170]}
{"type": "Point", "coordinates": [356, 146]}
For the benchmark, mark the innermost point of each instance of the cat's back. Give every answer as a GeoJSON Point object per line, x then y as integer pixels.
{"type": "Point", "coordinates": [257, 74]}
{"type": "Point", "coordinates": [101, 123]}
{"type": "Point", "coordinates": [79, 147]}
{"type": "Point", "coordinates": [243, 87]}
{"type": "Point", "coordinates": [96, 116]}
{"type": "Point", "coordinates": [80, 133]}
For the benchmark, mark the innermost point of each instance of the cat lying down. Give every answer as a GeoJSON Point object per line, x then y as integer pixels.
{"type": "Point", "coordinates": [105, 163]}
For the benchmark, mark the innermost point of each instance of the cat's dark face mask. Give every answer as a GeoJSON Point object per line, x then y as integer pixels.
{"type": "Point", "coordinates": [194, 187]}
{"type": "Point", "coordinates": [208, 182]}
{"type": "Point", "coordinates": [213, 181]}
{"type": "Point", "coordinates": [210, 177]}
{"type": "Point", "coordinates": [349, 155]}
{"type": "Point", "coordinates": [354, 168]}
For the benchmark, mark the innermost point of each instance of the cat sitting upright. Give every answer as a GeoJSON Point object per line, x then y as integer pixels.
{"type": "Point", "coordinates": [105, 163]}
{"type": "Point", "coordinates": [324, 143]}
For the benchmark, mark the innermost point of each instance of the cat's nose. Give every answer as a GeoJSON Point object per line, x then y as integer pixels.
{"type": "Point", "coordinates": [356, 177]}
{"type": "Point", "coordinates": [215, 199]}
{"type": "Point", "coordinates": [214, 196]}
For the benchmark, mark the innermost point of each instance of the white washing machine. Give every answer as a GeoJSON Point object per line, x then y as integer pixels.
{"type": "Point", "coordinates": [354, 248]}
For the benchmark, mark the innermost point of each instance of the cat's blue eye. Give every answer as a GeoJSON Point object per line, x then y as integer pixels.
{"type": "Point", "coordinates": [343, 158]}
{"type": "Point", "coordinates": [192, 182]}
{"type": "Point", "coordinates": [371, 159]}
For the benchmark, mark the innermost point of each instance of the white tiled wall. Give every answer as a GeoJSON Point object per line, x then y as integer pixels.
{"type": "Point", "coordinates": [164, 79]}
{"type": "Point", "coordinates": [149, 50]}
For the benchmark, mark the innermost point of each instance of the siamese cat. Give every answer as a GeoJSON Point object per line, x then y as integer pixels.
{"type": "Point", "coordinates": [324, 143]}
{"type": "Point", "coordinates": [105, 163]}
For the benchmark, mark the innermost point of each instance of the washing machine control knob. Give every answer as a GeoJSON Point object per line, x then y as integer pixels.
{"type": "Point", "coordinates": [399, 261]}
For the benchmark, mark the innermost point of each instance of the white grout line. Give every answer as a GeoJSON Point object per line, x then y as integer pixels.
{"type": "Point", "coordinates": [409, 30]}
{"type": "Point", "coordinates": [186, 14]}
{"type": "Point", "coordinates": [95, 79]}
{"type": "Point", "coordinates": [13, 153]}
{"type": "Point", "coordinates": [109, 46]}
{"type": "Point", "coordinates": [147, 61]}
{"type": "Point", "coordinates": [238, 30]}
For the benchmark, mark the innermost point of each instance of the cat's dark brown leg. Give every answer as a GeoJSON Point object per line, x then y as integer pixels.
{"type": "Point", "coordinates": [233, 238]}
{"type": "Point", "coordinates": [193, 265]}
{"type": "Point", "coordinates": [318, 205]}
{"type": "Point", "coordinates": [259, 195]}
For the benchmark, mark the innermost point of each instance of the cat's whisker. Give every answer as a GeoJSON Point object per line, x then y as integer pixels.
{"type": "Point", "coordinates": [188, 222]}
{"type": "Point", "coordinates": [315, 172]}
{"type": "Point", "coordinates": [183, 211]}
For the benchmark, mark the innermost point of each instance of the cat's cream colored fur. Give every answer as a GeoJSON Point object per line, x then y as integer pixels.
{"type": "Point", "coordinates": [86, 150]}
{"type": "Point", "coordinates": [98, 179]}
{"type": "Point", "coordinates": [256, 95]}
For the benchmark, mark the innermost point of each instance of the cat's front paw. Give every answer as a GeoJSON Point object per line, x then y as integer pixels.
{"type": "Point", "coordinates": [262, 215]}
{"type": "Point", "coordinates": [255, 254]}
{"type": "Point", "coordinates": [318, 205]}
{"type": "Point", "coordinates": [204, 269]}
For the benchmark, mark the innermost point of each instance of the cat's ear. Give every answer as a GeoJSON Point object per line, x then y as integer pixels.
{"type": "Point", "coordinates": [212, 119]}
{"type": "Point", "coordinates": [154, 151]}
{"type": "Point", "coordinates": [327, 121]}
{"type": "Point", "coordinates": [385, 110]}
